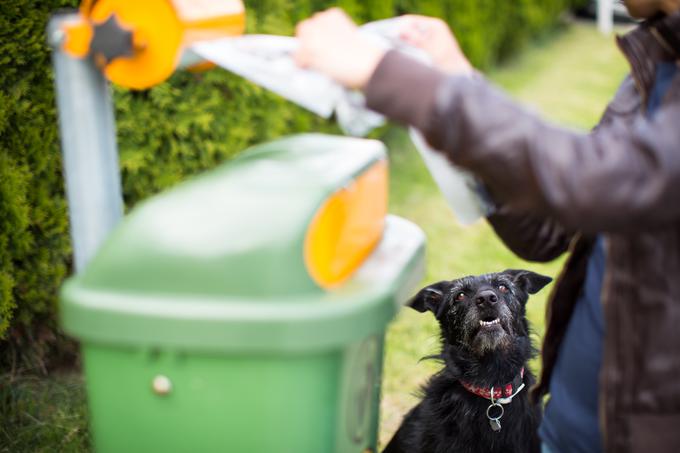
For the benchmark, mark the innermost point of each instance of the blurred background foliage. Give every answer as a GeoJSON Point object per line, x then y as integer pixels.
{"type": "Point", "coordinates": [167, 133]}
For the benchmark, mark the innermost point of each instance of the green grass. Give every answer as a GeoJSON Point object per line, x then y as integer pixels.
{"type": "Point", "coordinates": [43, 415]}
{"type": "Point", "coordinates": [569, 78]}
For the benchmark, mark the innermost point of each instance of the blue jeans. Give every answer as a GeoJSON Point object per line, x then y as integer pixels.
{"type": "Point", "coordinates": [546, 449]}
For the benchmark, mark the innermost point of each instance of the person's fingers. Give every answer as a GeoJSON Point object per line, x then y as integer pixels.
{"type": "Point", "coordinates": [414, 18]}
{"type": "Point", "coordinates": [418, 28]}
{"type": "Point", "coordinates": [301, 58]}
{"type": "Point", "coordinates": [407, 35]}
{"type": "Point", "coordinates": [331, 29]}
{"type": "Point", "coordinates": [302, 27]}
{"type": "Point", "coordinates": [299, 28]}
{"type": "Point", "coordinates": [408, 23]}
{"type": "Point", "coordinates": [325, 16]}
{"type": "Point", "coordinates": [318, 21]}
{"type": "Point", "coordinates": [413, 38]}
{"type": "Point", "coordinates": [416, 36]}
{"type": "Point", "coordinates": [336, 12]}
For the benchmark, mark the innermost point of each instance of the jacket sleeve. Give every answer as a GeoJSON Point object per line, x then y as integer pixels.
{"type": "Point", "coordinates": [618, 177]}
{"type": "Point", "coordinates": [529, 237]}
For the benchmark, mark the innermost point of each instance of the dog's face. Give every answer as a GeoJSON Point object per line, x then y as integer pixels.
{"type": "Point", "coordinates": [481, 313]}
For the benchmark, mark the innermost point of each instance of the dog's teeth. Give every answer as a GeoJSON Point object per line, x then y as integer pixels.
{"type": "Point", "coordinates": [488, 323]}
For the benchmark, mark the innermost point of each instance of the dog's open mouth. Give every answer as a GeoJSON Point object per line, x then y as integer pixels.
{"type": "Point", "coordinates": [490, 335]}
{"type": "Point", "coordinates": [489, 321]}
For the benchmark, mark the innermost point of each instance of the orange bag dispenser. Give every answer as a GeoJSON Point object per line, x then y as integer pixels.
{"type": "Point", "coordinates": [138, 44]}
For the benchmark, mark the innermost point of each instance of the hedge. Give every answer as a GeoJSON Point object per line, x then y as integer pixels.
{"type": "Point", "coordinates": [184, 126]}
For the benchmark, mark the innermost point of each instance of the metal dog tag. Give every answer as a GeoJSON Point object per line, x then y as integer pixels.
{"type": "Point", "coordinates": [495, 424]}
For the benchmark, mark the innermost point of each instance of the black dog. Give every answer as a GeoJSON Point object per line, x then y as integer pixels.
{"type": "Point", "coordinates": [485, 348]}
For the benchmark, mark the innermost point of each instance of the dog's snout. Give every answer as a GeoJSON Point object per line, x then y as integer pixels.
{"type": "Point", "coordinates": [486, 297]}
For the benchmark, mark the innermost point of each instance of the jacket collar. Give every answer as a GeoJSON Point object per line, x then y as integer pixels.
{"type": "Point", "coordinates": [654, 41]}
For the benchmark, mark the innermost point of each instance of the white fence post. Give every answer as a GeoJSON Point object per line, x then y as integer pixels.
{"type": "Point", "coordinates": [605, 16]}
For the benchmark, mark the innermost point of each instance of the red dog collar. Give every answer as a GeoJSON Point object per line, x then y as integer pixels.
{"type": "Point", "coordinates": [504, 391]}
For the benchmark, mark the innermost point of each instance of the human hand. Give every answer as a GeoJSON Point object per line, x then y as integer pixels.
{"type": "Point", "coordinates": [330, 43]}
{"type": "Point", "coordinates": [434, 37]}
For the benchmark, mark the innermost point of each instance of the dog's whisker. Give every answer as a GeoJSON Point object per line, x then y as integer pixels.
{"type": "Point", "coordinates": [439, 357]}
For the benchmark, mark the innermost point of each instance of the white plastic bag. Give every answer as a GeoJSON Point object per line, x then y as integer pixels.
{"type": "Point", "coordinates": [266, 60]}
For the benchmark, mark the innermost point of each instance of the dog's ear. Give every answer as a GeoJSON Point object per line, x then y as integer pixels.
{"type": "Point", "coordinates": [430, 298]}
{"type": "Point", "coordinates": [528, 281]}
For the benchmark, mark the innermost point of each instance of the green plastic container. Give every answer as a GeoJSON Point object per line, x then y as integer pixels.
{"type": "Point", "coordinates": [202, 331]}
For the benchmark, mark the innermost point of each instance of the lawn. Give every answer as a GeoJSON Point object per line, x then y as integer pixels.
{"type": "Point", "coordinates": [568, 77]}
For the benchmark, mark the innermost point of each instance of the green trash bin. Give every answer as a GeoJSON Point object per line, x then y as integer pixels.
{"type": "Point", "coordinates": [245, 310]}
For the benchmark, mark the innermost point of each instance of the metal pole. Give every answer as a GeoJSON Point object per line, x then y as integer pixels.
{"type": "Point", "coordinates": [605, 16]}
{"type": "Point", "coordinates": [88, 143]}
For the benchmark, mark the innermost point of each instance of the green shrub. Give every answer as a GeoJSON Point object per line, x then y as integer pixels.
{"type": "Point", "coordinates": [179, 128]}
{"type": "Point", "coordinates": [34, 244]}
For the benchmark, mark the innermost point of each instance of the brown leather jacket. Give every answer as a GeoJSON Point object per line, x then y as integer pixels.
{"type": "Point", "coordinates": [559, 188]}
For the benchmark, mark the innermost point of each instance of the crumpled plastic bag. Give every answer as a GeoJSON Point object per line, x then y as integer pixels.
{"type": "Point", "coordinates": [267, 61]}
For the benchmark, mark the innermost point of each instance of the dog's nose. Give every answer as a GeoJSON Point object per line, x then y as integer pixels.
{"type": "Point", "coordinates": [486, 297]}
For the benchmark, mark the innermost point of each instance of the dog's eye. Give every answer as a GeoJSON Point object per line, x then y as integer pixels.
{"type": "Point", "coordinates": [502, 288]}
{"type": "Point", "coordinates": [459, 297]}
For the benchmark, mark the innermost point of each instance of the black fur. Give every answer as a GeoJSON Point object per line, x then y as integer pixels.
{"type": "Point", "coordinates": [450, 419]}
